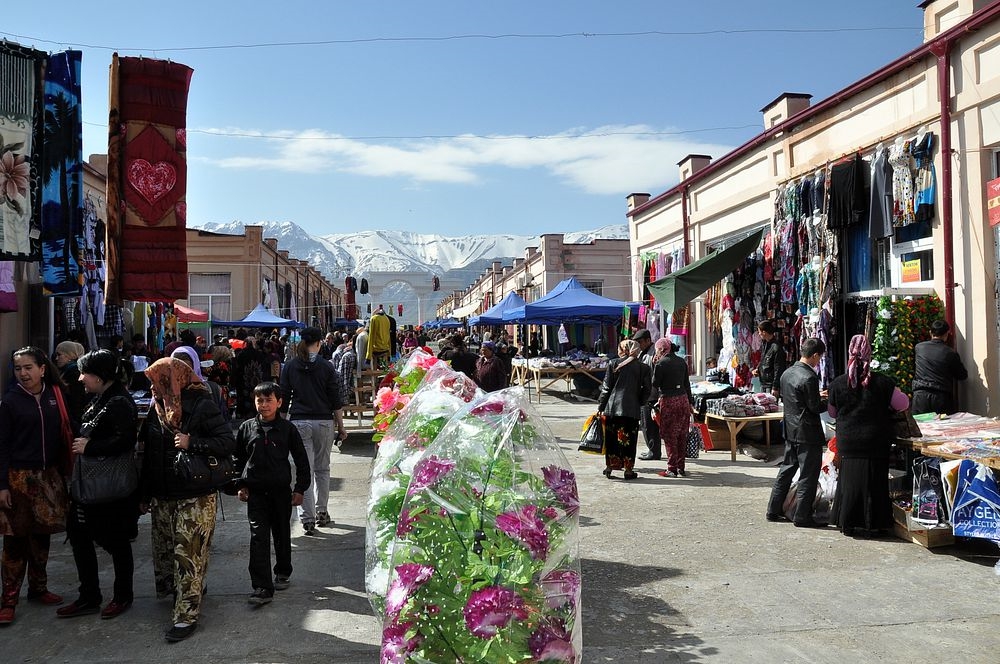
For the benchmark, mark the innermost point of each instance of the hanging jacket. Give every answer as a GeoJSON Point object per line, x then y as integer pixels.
{"type": "Point", "coordinates": [364, 286]}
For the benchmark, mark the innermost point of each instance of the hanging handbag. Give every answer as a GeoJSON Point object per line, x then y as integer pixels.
{"type": "Point", "coordinates": [592, 441]}
{"type": "Point", "coordinates": [694, 442]}
{"type": "Point", "coordinates": [103, 479]}
{"type": "Point", "coordinates": [204, 472]}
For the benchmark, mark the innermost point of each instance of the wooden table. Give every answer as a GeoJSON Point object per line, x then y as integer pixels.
{"type": "Point", "coordinates": [553, 375]}
{"type": "Point", "coordinates": [736, 425]}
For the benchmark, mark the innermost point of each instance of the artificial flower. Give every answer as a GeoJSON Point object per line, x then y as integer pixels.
{"type": "Point", "coordinates": [490, 609]}
{"type": "Point", "coordinates": [395, 645]}
{"type": "Point", "coordinates": [563, 484]}
{"type": "Point", "coordinates": [525, 526]}
{"type": "Point", "coordinates": [409, 577]}
{"type": "Point", "coordinates": [427, 472]}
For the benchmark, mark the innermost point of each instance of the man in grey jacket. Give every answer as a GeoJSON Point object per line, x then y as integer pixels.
{"type": "Point", "coordinates": [803, 402]}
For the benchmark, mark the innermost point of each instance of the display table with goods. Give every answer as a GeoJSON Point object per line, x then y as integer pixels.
{"type": "Point", "coordinates": [954, 481]}
{"type": "Point", "coordinates": [739, 410]}
{"type": "Point", "coordinates": [526, 372]}
{"type": "Point", "coordinates": [475, 533]}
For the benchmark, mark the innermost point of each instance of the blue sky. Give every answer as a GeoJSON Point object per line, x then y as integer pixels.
{"type": "Point", "coordinates": [410, 122]}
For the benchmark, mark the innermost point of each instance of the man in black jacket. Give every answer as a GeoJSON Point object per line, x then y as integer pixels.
{"type": "Point", "coordinates": [772, 359]}
{"type": "Point", "coordinates": [804, 439]}
{"type": "Point", "coordinates": [263, 444]}
{"type": "Point", "coordinates": [937, 369]}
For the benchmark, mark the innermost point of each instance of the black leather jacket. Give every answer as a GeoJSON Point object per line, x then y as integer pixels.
{"type": "Point", "coordinates": [772, 365]}
{"type": "Point", "coordinates": [802, 405]}
{"type": "Point", "coordinates": [625, 390]}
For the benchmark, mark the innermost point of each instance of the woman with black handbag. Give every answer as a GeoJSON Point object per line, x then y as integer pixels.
{"type": "Point", "coordinates": [184, 427]}
{"type": "Point", "coordinates": [627, 384]}
{"type": "Point", "coordinates": [104, 514]}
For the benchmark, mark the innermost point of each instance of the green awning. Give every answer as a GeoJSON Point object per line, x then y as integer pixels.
{"type": "Point", "coordinates": [678, 288]}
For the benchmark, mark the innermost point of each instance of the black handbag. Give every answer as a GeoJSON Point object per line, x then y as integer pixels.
{"type": "Point", "coordinates": [204, 472]}
{"type": "Point", "coordinates": [103, 479]}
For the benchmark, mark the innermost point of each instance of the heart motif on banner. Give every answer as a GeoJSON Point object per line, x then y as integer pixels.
{"type": "Point", "coordinates": [152, 181]}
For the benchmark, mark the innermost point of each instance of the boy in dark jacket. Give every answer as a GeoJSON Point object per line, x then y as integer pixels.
{"type": "Point", "coordinates": [263, 444]}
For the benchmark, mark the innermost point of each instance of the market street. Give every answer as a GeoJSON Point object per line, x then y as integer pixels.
{"type": "Point", "coordinates": [674, 570]}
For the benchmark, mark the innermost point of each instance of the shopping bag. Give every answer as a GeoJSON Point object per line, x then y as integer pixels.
{"type": "Point", "coordinates": [977, 503]}
{"type": "Point", "coordinates": [929, 507]}
{"type": "Point", "coordinates": [694, 442]}
{"type": "Point", "coordinates": [706, 436]}
{"type": "Point", "coordinates": [592, 441]}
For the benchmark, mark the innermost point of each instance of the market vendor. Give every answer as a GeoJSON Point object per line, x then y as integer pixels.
{"type": "Point", "coordinates": [938, 366]}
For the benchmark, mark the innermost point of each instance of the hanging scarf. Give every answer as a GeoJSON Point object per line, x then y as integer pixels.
{"type": "Point", "coordinates": [168, 377]}
{"type": "Point", "coordinates": [859, 361]}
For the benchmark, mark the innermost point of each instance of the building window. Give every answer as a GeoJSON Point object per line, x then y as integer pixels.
{"type": "Point", "coordinates": [212, 293]}
{"type": "Point", "coordinates": [595, 287]}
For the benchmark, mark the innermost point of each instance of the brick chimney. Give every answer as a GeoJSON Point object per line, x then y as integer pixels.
{"type": "Point", "coordinates": [632, 201]}
{"type": "Point", "coordinates": [785, 106]}
{"type": "Point", "coordinates": [942, 15]}
{"type": "Point", "coordinates": [691, 164]}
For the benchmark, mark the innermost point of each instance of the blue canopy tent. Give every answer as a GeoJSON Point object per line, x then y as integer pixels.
{"type": "Point", "coordinates": [568, 302]}
{"type": "Point", "coordinates": [494, 315]}
{"type": "Point", "coordinates": [259, 317]}
{"type": "Point", "coordinates": [449, 323]}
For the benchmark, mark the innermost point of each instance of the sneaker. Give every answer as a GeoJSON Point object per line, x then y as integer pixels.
{"type": "Point", "coordinates": [259, 596]}
{"type": "Point", "coordinates": [281, 583]}
{"type": "Point", "coordinates": [309, 528]}
{"type": "Point", "coordinates": [323, 519]}
{"type": "Point", "coordinates": [180, 632]}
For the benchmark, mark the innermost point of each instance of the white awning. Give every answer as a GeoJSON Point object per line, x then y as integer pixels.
{"type": "Point", "coordinates": [467, 310]}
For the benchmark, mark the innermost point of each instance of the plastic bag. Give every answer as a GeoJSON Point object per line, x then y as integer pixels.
{"type": "Point", "coordinates": [486, 565]}
{"type": "Point", "coordinates": [443, 393]}
{"type": "Point", "coordinates": [929, 506]}
{"type": "Point", "coordinates": [592, 441]}
{"type": "Point", "coordinates": [695, 444]}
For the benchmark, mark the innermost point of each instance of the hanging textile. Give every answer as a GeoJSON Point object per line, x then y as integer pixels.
{"type": "Point", "coordinates": [147, 180]}
{"type": "Point", "coordinates": [364, 286]}
{"type": "Point", "coordinates": [62, 177]}
{"type": "Point", "coordinates": [848, 204]}
{"type": "Point", "coordinates": [8, 297]}
{"type": "Point", "coordinates": [20, 151]}
{"type": "Point", "coordinates": [91, 305]}
{"type": "Point", "coordinates": [880, 209]}
{"type": "Point", "coordinates": [924, 181]}
{"type": "Point", "coordinates": [902, 183]}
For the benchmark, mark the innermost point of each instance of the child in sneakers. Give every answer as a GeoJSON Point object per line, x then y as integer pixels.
{"type": "Point", "coordinates": [263, 444]}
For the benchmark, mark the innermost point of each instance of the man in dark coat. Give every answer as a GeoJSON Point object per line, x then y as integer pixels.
{"type": "Point", "coordinates": [772, 359]}
{"type": "Point", "coordinates": [937, 369]}
{"type": "Point", "coordinates": [804, 439]}
{"type": "Point", "coordinates": [650, 429]}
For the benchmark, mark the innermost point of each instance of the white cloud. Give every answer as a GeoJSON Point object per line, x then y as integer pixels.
{"type": "Point", "coordinates": [605, 160]}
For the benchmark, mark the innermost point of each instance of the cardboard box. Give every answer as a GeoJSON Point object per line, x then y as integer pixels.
{"type": "Point", "coordinates": [907, 529]}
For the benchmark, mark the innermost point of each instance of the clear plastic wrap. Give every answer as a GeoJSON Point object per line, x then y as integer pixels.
{"type": "Point", "coordinates": [485, 565]}
{"type": "Point", "coordinates": [398, 387]}
{"type": "Point", "coordinates": [442, 393]}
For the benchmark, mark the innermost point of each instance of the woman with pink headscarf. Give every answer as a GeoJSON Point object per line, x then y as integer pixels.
{"type": "Point", "coordinates": [862, 403]}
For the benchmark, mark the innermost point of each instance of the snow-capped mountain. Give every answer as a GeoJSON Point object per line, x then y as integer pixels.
{"type": "Point", "coordinates": [364, 252]}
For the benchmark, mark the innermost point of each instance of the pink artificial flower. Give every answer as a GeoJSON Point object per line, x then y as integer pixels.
{"type": "Point", "coordinates": [550, 513]}
{"type": "Point", "coordinates": [395, 645]}
{"type": "Point", "coordinates": [490, 609]}
{"type": "Point", "coordinates": [525, 526]}
{"type": "Point", "coordinates": [563, 484]}
{"type": "Point", "coordinates": [427, 472]}
{"type": "Point", "coordinates": [425, 362]}
{"type": "Point", "coordinates": [385, 399]}
{"type": "Point", "coordinates": [15, 172]}
{"type": "Point", "coordinates": [561, 587]}
{"type": "Point", "coordinates": [405, 524]}
{"type": "Point", "coordinates": [409, 577]}
{"type": "Point", "coordinates": [551, 643]}
{"type": "Point", "coordinates": [494, 407]}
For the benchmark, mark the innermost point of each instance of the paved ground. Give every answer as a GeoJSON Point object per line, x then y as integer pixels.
{"type": "Point", "coordinates": [678, 570]}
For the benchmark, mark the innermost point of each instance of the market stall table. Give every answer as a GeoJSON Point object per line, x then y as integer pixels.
{"type": "Point", "coordinates": [736, 425]}
{"type": "Point", "coordinates": [525, 372]}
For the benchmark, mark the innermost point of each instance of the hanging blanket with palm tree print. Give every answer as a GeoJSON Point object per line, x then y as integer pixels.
{"type": "Point", "coordinates": [62, 177]}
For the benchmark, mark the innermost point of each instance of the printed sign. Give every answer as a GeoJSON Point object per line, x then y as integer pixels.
{"type": "Point", "coordinates": [911, 271]}
{"type": "Point", "coordinates": [993, 201]}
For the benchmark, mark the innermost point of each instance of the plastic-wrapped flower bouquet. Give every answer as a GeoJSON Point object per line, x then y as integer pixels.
{"type": "Point", "coordinates": [485, 567]}
{"type": "Point", "coordinates": [443, 393]}
{"type": "Point", "coordinates": [390, 400]}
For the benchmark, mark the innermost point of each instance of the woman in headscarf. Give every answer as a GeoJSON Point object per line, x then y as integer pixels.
{"type": "Point", "coordinates": [190, 357]}
{"type": "Point", "coordinates": [108, 429]}
{"type": "Point", "coordinates": [673, 386]}
{"type": "Point", "coordinates": [185, 417]}
{"type": "Point", "coordinates": [65, 356]}
{"type": "Point", "coordinates": [34, 462]}
{"type": "Point", "coordinates": [862, 402]}
{"type": "Point", "coordinates": [627, 383]}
